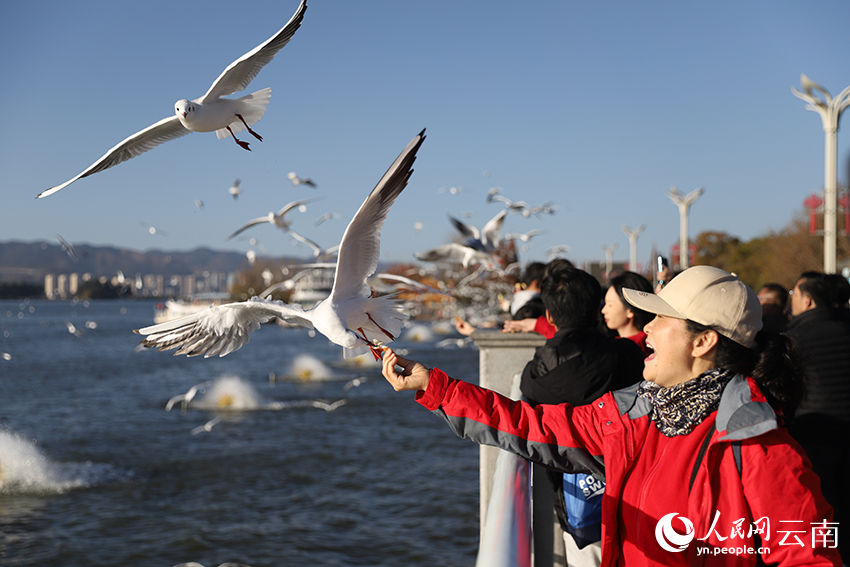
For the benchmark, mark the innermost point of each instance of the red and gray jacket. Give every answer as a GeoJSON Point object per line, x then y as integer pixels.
{"type": "Point", "coordinates": [748, 466]}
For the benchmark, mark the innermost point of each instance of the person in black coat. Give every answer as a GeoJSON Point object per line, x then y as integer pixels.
{"type": "Point", "coordinates": [580, 363]}
{"type": "Point", "coordinates": [820, 329]}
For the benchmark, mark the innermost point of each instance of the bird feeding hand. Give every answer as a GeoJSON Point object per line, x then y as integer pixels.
{"type": "Point", "coordinates": [413, 375]}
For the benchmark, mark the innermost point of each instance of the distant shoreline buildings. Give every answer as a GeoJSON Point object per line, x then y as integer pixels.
{"type": "Point", "coordinates": [66, 286]}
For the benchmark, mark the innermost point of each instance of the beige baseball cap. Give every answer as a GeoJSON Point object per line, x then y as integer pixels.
{"type": "Point", "coordinates": [708, 296]}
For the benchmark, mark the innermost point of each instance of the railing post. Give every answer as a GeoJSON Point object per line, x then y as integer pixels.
{"type": "Point", "coordinates": [502, 356]}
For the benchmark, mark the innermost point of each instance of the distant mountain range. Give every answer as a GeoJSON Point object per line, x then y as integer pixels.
{"type": "Point", "coordinates": [30, 261]}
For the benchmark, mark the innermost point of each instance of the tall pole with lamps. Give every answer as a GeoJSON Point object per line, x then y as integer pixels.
{"type": "Point", "coordinates": [632, 235]}
{"type": "Point", "coordinates": [684, 203]}
{"type": "Point", "coordinates": [830, 111]}
{"type": "Point", "coordinates": [609, 259]}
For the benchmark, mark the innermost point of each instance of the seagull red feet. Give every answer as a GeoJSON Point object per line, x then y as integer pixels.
{"type": "Point", "coordinates": [260, 138]}
{"type": "Point", "coordinates": [376, 351]}
{"type": "Point", "coordinates": [242, 144]}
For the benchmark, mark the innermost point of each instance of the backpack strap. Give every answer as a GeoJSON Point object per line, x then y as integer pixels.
{"type": "Point", "coordinates": [736, 454]}
{"type": "Point", "coordinates": [700, 456]}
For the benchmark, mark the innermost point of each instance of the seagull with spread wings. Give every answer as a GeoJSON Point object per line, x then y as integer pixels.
{"type": "Point", "coordinates": [319, 253]}
{"type": "Point", "coordinates": [209, 113]}
{"type": "Point", "coordinates": [520, 207]}
{"type": "Point", "coordinates": [478, 247]}
{"type": "Point", "coordinates": [277, 219]}
{"type": "Point", "coordinates": [295, 180]}
{"type": "Point", "coordinates": [326, 217]}
{"type": "Point", "coordinates": [524, 237]}
{"type": "Point", "coordinates": [349, 317]}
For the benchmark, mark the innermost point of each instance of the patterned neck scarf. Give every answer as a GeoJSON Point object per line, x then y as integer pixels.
{"type": "Point", "coordinates": [680, 408]}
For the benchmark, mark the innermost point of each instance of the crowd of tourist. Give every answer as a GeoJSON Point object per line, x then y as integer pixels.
{"type": "Point", "coordinates": [695, 398]}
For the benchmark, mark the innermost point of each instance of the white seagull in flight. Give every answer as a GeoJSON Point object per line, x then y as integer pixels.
{"type": "Point", "coordinates": [278, 219]}
{"type": "Point", "coordinates": [349, 317]}
{"type": "Point", "coordinates": [235, 190]}
{"type": "Point", "coordinates": [325, 217]}
{"type": "Point", "coordinates": [319, 253]}
{"type": "Point", "coordinates": [478, 246]}
{"type": "Point", "coordinates": [209, 113]}
{"type": "Point", "coordinates": [184, 399]}
{"type": "Point", "coordinates": [293, 177]}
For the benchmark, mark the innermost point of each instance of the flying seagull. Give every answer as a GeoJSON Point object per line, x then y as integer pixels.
{"type": "Point", "coordinates": [456, 253]}
{"type": "Point", "coordinates": [319, 253]}
{"type": "Point", "coordinates": [278, 219]}
{"type": "Point", "coordinates": [488, 237]}
{"type": "Point", "coordinates": [349, 317]}
{"type": "Point", "coordinates": [523, 237]}
{"type": "Point", "coordinates": [209, 113]}
{"type": "Point", "coordinates": [520, 207]}
{"type": "Point", "coordinates": [184, 399]}
{"type": "Point", "coordinates": [293, 177]}
{"type": "Point", "coordinates": [207, 427]}
{"type": "Point", "coordinates": [235, 190]}
{"type": "Point", "coordinates": [478, 246]}
{"type": "Point", "coordinates": [325, 217]}
{"type": "Point", "coordinates": [68, 248]}
{"type": "Point", "coordinates": [73, 330]}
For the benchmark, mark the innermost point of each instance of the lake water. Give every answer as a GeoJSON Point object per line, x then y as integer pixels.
{"type": "Point", "coordinates": [94, 471]}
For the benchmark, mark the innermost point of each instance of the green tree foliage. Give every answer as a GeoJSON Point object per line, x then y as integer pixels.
{"type": "Point", "coordinates": [21, 291]}
{"type": "Point", "coordinates": [95, 289]}
{"type": "Point", "coordinates": [717, 249]}
{"type": "Point", "coordinates": [778, 256]}
{"type": "Point", "coordinates": [250, 282]}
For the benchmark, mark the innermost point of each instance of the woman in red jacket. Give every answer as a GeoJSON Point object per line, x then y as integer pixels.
{"type": "Point", "coordinates": [699, 467]}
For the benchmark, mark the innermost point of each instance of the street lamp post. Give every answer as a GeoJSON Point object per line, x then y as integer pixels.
{"type": "Point", "coordinates": [830, 111]}
{"type": "Point", "coordinates": [609, 259]}
{"type": "Point", "coordinates": [632, 235]}
{"type": "Point", "coordinates": [684, 203]}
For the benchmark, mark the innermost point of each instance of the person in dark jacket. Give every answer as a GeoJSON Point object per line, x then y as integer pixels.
{"type": "Point", "coordinates": [577, 365]}
{"type": "Point", "coordinates": [820, 328]}
{"type": "Point", "coordinates": [774, 301]}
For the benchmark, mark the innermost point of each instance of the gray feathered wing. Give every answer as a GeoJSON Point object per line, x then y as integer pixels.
{"type": "Point", "coordinates": [241, 72]}
{"type": "Point", "coordinates": [360, 246]}
{"type": "Point", "coordinates": [221, 329]}
{"type": "Point", "coordinates": [163, 131]}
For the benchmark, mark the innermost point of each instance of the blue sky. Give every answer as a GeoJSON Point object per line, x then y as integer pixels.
{"type": "Point", "coordinates": [598, 107]}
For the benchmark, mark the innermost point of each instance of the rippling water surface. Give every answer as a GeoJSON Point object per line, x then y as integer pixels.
{"type": "Point", "coordinates": [94, 471]}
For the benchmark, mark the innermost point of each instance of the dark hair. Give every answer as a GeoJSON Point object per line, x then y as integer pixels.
{"type": "Point", "coordinates": [774, 364]}
{"type": "Point", "coordinates": [840, 290]}
{"type": "Point", "coordinates": [780, 292]}
{"type": "Point", "coordinates": [818, 286]}
{"type": "Point", "coordinates": [631, 280]}
{"type": "Point", "coordinates": [533, 271]}
{"type": "Point", "coordinates": [557, 264]}
{"type": "Point", "coordinates": [572, 297]}
{"type": "Point", "coordinates": [531, 309]}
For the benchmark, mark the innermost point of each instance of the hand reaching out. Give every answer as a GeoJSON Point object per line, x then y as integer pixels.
{"type": "Point", "coordinates": [413, 376]}
{"type": "Point", "coordinates": [521, 326]}
{"type": "Point", "coordinates": [463, 327]}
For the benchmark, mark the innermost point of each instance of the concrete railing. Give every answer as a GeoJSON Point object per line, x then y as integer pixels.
{"type": "Point", "coordinates": [502, 356]}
